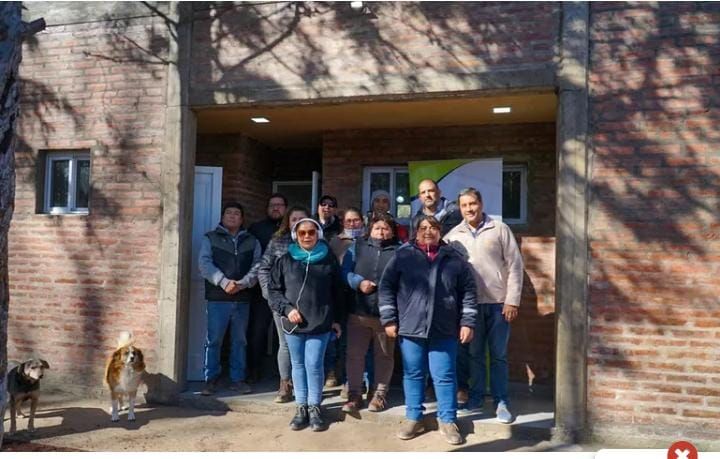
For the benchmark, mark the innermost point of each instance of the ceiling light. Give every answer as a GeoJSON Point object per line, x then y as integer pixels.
{"type": "Point", "coordinates": [260, 119]}
{"type": "Point", "coordinates": [356, 5]}
{"type": "Point", "coordinates": [502, 109]}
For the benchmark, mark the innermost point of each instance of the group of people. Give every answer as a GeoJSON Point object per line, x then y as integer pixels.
{"type": "Point", "coordinates": [350, 289]}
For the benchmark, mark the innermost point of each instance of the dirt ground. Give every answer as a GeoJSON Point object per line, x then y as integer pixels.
{"type": "Point", "coordinates": [84, 425]}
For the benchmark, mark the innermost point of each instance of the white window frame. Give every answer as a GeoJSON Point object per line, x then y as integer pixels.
{"type": "Point", "coordinates": [393, 206]}
{"type": "Point", "coordinates": [523, 193]}
{"type": "Point", "coordinates": [367, 171]}
{"type": "Point", "coordinates": [72, 179]}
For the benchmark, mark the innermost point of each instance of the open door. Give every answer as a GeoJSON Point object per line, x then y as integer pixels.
{"type": "Point", "coordinates": [206, 215]}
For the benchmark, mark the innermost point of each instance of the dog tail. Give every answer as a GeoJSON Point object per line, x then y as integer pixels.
{"type": "Point", "coordinates": [126, 339]}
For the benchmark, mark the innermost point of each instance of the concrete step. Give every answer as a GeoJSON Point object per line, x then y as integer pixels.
{"type": "Point", "coordinates": [534, 411]}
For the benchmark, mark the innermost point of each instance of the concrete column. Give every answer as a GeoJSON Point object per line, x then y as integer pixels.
{"type": "Point", "coordinates": [571, 225]}
{"type": "Point", "coordinates": [178, 161]}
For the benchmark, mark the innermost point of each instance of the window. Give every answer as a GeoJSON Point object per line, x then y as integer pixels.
{"type": "Point", "coordinates": [67, 183]}
{"type": "Point", "coordinates": [514, 195]}
{"type": "Point", "coordinates": [396, 180]}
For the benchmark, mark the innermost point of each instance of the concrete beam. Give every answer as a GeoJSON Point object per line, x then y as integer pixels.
{"type": "Point", "coordinates": [534, 77]}
{"type": "Point", "coordinates": [178, 161]}
{"type": "Point", "coordinates": [571, 225]}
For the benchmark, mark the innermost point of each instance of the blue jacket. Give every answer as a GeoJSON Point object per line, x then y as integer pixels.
{"type": "Point", "coordinates": [427, 298]}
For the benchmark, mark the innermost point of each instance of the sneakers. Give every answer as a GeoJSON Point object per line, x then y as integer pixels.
{"type": "Point", "coordinates": [410, 429]}
{"type": "Point", "coordinates": [378, 402]}
{"type": "Point", "coordinates": [353, 405]}
{"type": "Point", "coordinates": [284, 393]}
{"type": "Point", "coordinates": [316, 421]}
{"type": "Point", "coordinates": [300, 420]}
{"type": "Point", "coordinates": [451, 432]}
{"type": "Point", "coordinates": [462, 396]}
{"type": "Point", "coordinates": [209, 389]}
{"type": "Point", "coordinates": [331, 380]}
{"type": "Point", "coordinates": [472, 407]}
{"type": "Point", "coordinates": [240, 386]}
{"type": "Point", "coordinates": [503, 414]}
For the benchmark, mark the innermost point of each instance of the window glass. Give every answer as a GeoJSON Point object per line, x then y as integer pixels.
{"type": "Point", "coordinates": [512, 192]}
{"type": "Point", "coordinates": [402, 194]}
{"type": "Point", "coordinates": [60, 174]}
{"type": "Point", "coordinates": [379, 181]}
{"type": "Point", "coordinates": [82, 184]}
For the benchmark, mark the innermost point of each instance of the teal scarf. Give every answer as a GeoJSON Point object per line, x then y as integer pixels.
{"type": "Point", "coordinates": [316, 254]}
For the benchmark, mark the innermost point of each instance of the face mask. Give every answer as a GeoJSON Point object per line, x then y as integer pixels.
{"type": "Point", "coordinates": [354, 233]}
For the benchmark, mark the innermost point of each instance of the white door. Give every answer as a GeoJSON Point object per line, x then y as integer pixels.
{"type": "Point", "coordinates": [206, 215]}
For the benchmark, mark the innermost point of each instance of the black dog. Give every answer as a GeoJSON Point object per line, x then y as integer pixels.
{"type": "Point", "coordinates": [24, 384]}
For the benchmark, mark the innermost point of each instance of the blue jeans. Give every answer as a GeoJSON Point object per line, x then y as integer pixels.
{"type": "Point", "coordinates": [220, 314]}
{"type": "Point", "coordinates": [306, 356]}
{"type": "Point", "coordinates": [439, 356]}
{"type": "Point", "coordinates": [491, 332]}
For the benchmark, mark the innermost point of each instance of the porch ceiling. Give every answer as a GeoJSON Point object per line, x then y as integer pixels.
{"type": "Point", "coordinates": [303, 125]}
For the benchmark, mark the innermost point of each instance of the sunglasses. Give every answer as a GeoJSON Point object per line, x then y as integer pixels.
{"type": "Point", "coordinates": [327, 204]}
{"type": "Point", "coordinates": [303, 233]}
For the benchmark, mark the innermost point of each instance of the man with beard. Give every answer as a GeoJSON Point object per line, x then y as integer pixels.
{"type": "Point", "coordinates": [260, 313]}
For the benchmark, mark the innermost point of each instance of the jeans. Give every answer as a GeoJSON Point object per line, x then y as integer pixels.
{"type": "Point", "coordinates": [220, 314]}
{"type": "Point", "coordinates": [306, 355]}
{"type": "Point", "coordinates": [439, 355]}
{"type": "Point", "coordinates": [283, 355]}
{"type": "Point", "coordinates": [491, 332]}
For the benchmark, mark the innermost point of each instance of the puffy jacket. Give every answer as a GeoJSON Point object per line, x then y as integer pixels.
{"type": "Point", "coordinates": [366, 260]}
{"type": "Point", "coordinates": [320, 303]}
{"type": "Point", "coordinates": [224, 257]}
{"type": "Point", "coordinates": [276, 248]}
{"type": "Point", "coordinates": [426, 297]}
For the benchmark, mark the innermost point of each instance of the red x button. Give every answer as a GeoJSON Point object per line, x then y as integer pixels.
{"type": "Point", "coordinates": [682, 450]}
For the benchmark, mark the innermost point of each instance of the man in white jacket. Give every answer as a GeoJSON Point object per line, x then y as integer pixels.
{"type": "Point", "coordinates": [491, 249]}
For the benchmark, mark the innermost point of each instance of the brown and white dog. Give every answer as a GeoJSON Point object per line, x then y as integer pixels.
{"type": "Point", "coordinates": [23, 383]}
{"type": "Point", "coordinates": [124, 374]}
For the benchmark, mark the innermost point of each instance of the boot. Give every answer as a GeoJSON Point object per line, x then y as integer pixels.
{"type": "Point", "coordinates": [451, 432]}
{"type": "Point", "coordinates": [300, 421]}
{"type": "Point", "coordinates": [344, 392]}
{"type": "Point", "coordinates": [353, 405]}
{"type": "Point", "coordinates": [331, 380]}
{"type": "Point", "coordinates": [210, 388]}
{"type": "Point", "coordinates": [284, 394]}
{"type": "Point", "coordinates": [316, 421]}
{"type": "Point", "coordinates": [410, 429]}
{"type": "Point", "coordinates": [378, 402]}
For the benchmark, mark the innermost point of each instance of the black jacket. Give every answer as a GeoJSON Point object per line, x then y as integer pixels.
{"type": "Point", "coordinates": [428, 299]}
{"type": "Point", "coordinates": [321, 301]}
{"type": "Point", "coordinates": [330, 230]}
{"type": "Point", "coordinates": [264, 230]}
{"type": "Point", "coordinates": [366, 259]}
{"type": "Point", "coordinates": [448, 215]}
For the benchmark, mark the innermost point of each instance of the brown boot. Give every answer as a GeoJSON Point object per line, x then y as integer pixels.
{"type": "Point", "coordinates": [451, 432]}
{"type": "Point", "coordinates": [410, 429]}
{"type": "Point", "coordinates": [462, 396]}
{"type": "Point", "coordinates": [378, 402]}
{"type": "Point", "coordinates": [331, 380]}
{"type": "Point", "coordinates": [284, 394]}
{"type": "Point", "coordinates": [353, 405]}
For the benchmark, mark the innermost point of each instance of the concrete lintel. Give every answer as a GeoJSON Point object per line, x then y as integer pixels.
{"type": "Point", "coordinates": [178, 160]}
{"type": "Point", "coordinates": [63, 13]}
{"type": "Point", "coordinates": [536, 77]}
{"type": "Point", "coordinates": [571, 226]}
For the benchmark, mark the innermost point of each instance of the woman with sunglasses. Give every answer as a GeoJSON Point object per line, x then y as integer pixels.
{"type": "Point", "coordinates": [277, 247]}
{"type": "Point", "coordinates": [427, 298]}
{"type": "Point", "coordinates": [305, 290]}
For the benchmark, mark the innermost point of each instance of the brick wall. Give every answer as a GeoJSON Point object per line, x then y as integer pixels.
{"type": "Point", "coordinates": [653, 298]}
{"type": "Point", "coordinates": [345, 153]}
{"type": "Point", "coordinates": [247, 170]}
{"type": "Point", "coordinates": [310, 50]}
{"type": "Point", "coordinates": [76, 281]}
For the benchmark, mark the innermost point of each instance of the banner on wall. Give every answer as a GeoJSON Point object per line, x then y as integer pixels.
{"type": "Point", "coordinates": [452, 175]}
